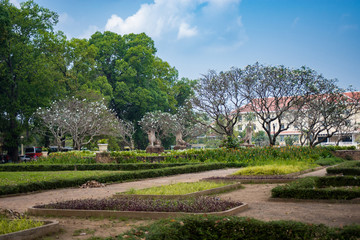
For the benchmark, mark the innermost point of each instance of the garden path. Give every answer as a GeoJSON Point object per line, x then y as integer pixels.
{"type": "Point", "coordinates": [256, 195]}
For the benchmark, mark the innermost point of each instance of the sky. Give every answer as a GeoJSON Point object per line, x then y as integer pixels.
{"type": "Point", "coordinates": [196, 36]}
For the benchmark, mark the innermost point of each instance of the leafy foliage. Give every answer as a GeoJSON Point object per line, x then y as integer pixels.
{"type": "Point", "coordinates": [319, 188]}
{"type": "Point", "coordinates": [346, 168]}
{"type": "Point", "coordinates": [233, 228]}
{"type": "Point", "coordinates": [15, 225]}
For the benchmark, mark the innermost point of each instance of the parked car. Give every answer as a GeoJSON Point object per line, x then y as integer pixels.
{"type": "Point", "coordinates": [4, 158]}
{"type": "Point", "coordinates": [33, 152]}
{"type": "Point", "coordinates": [55, 149]}
{"type": "Point", "coordinates": [24, 158]}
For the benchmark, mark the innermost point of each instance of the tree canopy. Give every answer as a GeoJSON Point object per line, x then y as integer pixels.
{"type": "Point", "coordinates": [39, 65]}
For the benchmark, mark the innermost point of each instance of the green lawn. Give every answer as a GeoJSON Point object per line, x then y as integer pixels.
{"type": "Point", "coordinates": [14, 178]}
{"type": "Point", "coordinates": [177, 188]}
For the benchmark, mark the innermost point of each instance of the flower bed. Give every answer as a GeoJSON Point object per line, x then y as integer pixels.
{"type": "Point", "coordinates": [319, 188]}
{"type": "Point", "coordinates": [180, 190]}
{"type": "Point", "coordinates": [139, 208]}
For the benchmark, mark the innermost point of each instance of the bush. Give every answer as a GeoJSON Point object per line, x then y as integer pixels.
{"type": "Point", "coordinates": [319, 188]}
{"type": "Point", "coordinates": [231, 228]}
{"type": "Point", "coordinates": [87, 167]}
{"type": "Point", "coordinates": [328, 161]}
{"type": "Point", "coordinates": [116, 177]}
{"type": "Point", "coordinates": [334, 148]}
{"type": "Point", "coordinates": [346, 168]}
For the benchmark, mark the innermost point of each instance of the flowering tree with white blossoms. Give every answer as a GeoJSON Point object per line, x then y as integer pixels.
{"type": "Point", "coordinates": [184, 124]}
{"type": "Point", "coordinates": [157, 121]}
{"type": "Point", "coordinates": [81, 119]}
{"type": "Point", "coordinates": [127, 130]}
{"type": "Point", "coordinates": [165, 124]}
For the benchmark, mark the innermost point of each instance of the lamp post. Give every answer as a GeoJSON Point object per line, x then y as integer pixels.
{"type": "Point", "coordinates": [22, 146]}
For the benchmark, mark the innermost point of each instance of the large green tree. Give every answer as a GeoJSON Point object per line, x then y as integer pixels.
{"type": "Point", "coordinates": [25, 68]}
{"type": "Point", "coordinates": [140, 81]}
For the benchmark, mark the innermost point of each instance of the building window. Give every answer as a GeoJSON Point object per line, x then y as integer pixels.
{"type": "Point", "coordinates": [240, 128]}
{"type": "Point", "coordinates": [254, 127]}
{"type": "Point", "coordinates": [281, 138]}
{"type": "Point", "coordinates": [346, 139]}
{"type": "Point", "coordinates": [282, 126]}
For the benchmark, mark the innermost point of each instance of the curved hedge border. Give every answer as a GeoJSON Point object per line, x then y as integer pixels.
{"type": "Point", "coordinates": [315, 188]}
{"type": "Point", "coordinates": [87, 167]}
{"type": "Point", "coordinates": [234, 228]}
{"type": "Point", "coordinates": [118, 177]}
{"type": "Point", "coordinates": [345, 168]}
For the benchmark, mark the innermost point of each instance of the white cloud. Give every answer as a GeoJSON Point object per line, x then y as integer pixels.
{"type": "Point", "coordinates": [177, 17]}
{"type": "Point", "coordinates": [185, 31]}
{"type": "Point", "coordinates": [16, 3]}
{"type": "Point", "coordinates": [154, 19]}
{"type": "Point", "coordinates": [89, 31]}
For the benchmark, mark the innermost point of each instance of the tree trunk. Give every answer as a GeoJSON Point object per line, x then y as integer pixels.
{"type": "Point", "coordinates": [12, 140]}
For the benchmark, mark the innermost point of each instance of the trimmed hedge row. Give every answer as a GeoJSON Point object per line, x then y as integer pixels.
{"type": "Point", "coordinates": [87, 167]}
{"type": "Point", "coordinates": [319, 188]}
{"type": "Point", "coordinates": [118, 177]}
{"type": "Point", "coordinates": [346, 168]}
{"type": "Point", "coordinates": [231, 228]}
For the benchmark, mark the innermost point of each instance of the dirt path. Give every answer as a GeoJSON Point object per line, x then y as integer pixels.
{"type": "Point", "coordinates": [256, 195]}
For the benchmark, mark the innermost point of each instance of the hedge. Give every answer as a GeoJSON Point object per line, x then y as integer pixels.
{"type": "Point", "coordinates": [119, 177]}
{"type": "Point", "coordinates": [87, 167]}
{"type": "Point", "coordinates": [346, 168]}
{"type": "Point", "coordinates": [231, 228]}
{"type": "Point", "coordinates": [319, 188]}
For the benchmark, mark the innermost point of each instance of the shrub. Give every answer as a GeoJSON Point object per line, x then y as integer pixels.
{"type": "Point", "coordinates": [328, 161]}
{"type": "Point", "coordinates": [346, 168]}
{"type": "Point", "coordinates": [319, 188]}
{"type": "Point", "coordinates": [87, 167]}
{"type": "Point", "coordinates": [231, 228]}
{"type": "Point", "coordinates": [72, 157]}
{"type": "Point", "coordinates": [334, 148]}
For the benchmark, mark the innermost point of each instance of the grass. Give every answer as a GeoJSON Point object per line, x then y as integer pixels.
{"type": "Point", "coordinates": [279, 168]}
{"type": "Point", "coordinates": [15, 178]}
{"type": "Point", "coordinates": [177, 188]}
{"type": "Point", "coordinates": [9, 226]}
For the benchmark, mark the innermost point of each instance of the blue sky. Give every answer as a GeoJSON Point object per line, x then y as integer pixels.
{"type": "Point", "coordinates": [197, 35]}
